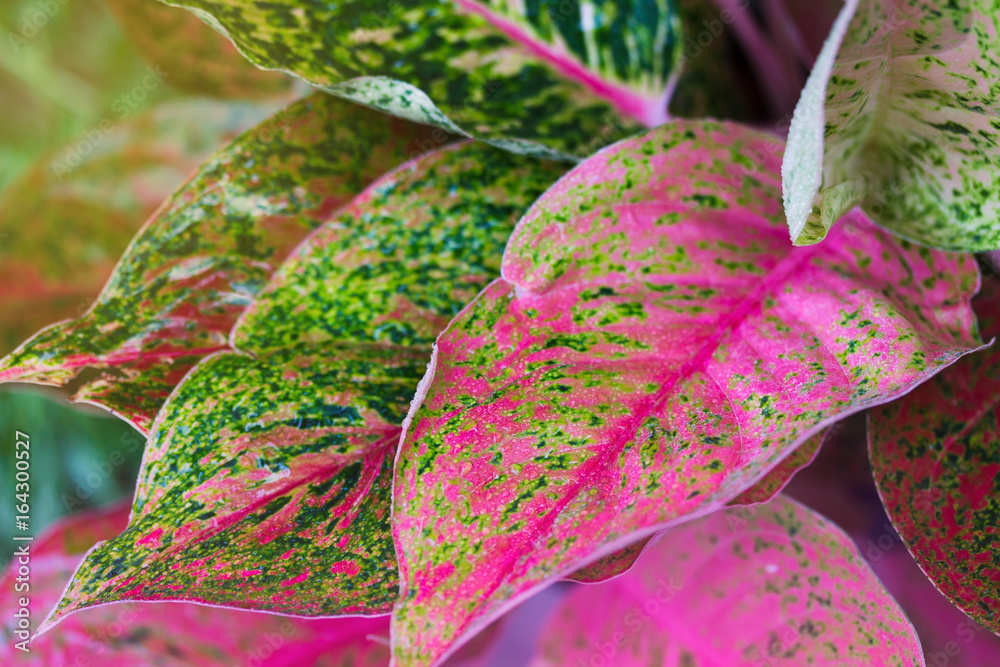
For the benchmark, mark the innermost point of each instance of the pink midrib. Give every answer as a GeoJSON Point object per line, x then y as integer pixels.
{"type": "Point", "coordinates": [777, 276]}
{"type": "Point", "coordinates": [651, 111]}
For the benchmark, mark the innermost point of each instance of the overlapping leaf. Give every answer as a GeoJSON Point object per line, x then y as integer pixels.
{"type": "Point", "coordinates": [616, 563]}
{"type": "Point", "coordinates": [902, 115]}
{"type": "Point", "coordinates": [196, 58]}
{"type": "Point", "coordinates": [195, 266]}
{"type": "Point", "coordinates": [775, 585]}
{"type": "Point", "coordinates": [266, 482]}
{"type": "Point", "coordinates": [167, 635]}
{"type": "Point", "coordinates": [562, 74]}
{"type": "Point", "coordinates": [936, 458]}
{"type": "Point", "coordinates": [655, 347]}
{"type": "Point", "coordinates": [65, 222]}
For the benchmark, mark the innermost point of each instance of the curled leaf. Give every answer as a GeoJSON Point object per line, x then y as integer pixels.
{"type": "Point", "coordinates": [901, 115]}
{"type": "Point", "coordinates": [548, 79]}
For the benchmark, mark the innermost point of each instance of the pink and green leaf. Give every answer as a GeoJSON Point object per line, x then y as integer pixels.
{"type": "Point", "coordinates": [67, 219]}
{"type": "Point", "coordinates": [267, 480]}
{"type": "Point", "coordinates": [654, 348]}
{"type": "Point", "coordinates": [901, 115]}
{"type": "Point", "coordinates": [196, 265]}
{"type": "Point", "coordinates": [768, 487]}
{"type": "Point", "coordinates": [531, 78]}
{"type": "Point", "coordinates": [773, 584]}
{"type": "Point", "coordinates": [935, 454]}
{"type": "Point", "coordinates": [169, 635]}
{"type": "Point", "coordinates": [195, 58]}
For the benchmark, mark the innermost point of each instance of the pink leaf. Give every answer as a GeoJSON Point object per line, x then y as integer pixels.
{"type": "Point", "coordinates": [655, 347]}
{"type": "Point", "coordinates": [773, 585]}
{"type": "Point", "coordinates": [936, 458]}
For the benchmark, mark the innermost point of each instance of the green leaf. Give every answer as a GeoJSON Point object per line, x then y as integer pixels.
{"type": "Point", "coordinates": [901, 115]}
{"type": "Point", "coordinates": [195, 58]}
{"type": "Point", "coordinates": [267, 480]}
{"type": "Point", "coordinates": [194, 268]}
{"type": "Point", "coordinates": [551, 78]}
{"type": "Point", "coordinates": [65, 222]}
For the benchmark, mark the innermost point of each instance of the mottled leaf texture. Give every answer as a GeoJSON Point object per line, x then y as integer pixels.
{"type": "Point", "coordinates": [197, 264]}
{"type": "Point", "coordinates": [565, 74]}
{"type": "Point", "coordinates": [66, 221]}
{"type": "Point", "coordinates": [774, 584]}
{"type": "Point", "coordinates": [266, 483]}
{"type": "Point", "coordinates": [195, 58]}
{"type": "Point", "coordinates": [901, 115]}
{"type": "Point", "coordinates": [935, 455]}
{"type": "Point", "coordinates": [164, 635]}
{"type": "Point", "coordinates": [654, 348]}
{"type": "Point", "coordinates": [773, 482]}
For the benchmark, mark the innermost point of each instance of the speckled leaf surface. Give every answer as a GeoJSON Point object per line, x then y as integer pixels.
{"type": "Point", "coordinates": [559, 74]}
{"type": "Point", "coordinates": [197, 59]}
{"type": "Point", "coordinates": [614, 564]}
{"type": "Point", "coordinates": [197, 264]}
{"type": "Point", "coordinates": [935, 455]}
{"type": "Point", "coordinates": [166, 635]}
{"type": "Point", "coordinates": [267, 480]}
{"type": "Point", "coordinates": [654, 348]}
{"type": "Point", "coordinates": [775, 584]}
{"type": "Point", "coordinates": [66, 221]}
{"type": "Point", "coordinates": [901, 115]}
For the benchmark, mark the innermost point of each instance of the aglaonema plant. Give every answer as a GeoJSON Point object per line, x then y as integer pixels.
{"type": "Point", "coordinates": [423, 344]}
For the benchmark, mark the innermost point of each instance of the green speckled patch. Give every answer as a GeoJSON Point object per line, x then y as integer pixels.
{"type": "Point", "coordinates": [902, 116]}
{"type": "Point", "coordinates": [266, 483]}
{"type": "Point", "coordinates": [194, 268]}
{"type": "Point", "coordinates": [551, 73]}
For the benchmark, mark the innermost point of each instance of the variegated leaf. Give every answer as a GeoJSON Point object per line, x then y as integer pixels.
{"type": "Point", "coordinates": [655, 346]}
{"type": "Point", "coordinates": [197, 264]}
{"type": "Point", "coordinates": [936, 458]}
{"type": "Point", "coordinates": [774, 584]}
{"type": "Point", "coordinates": [902, 115]}
{"type": "Point", "coordinates": [266, 482]}
{"type": "Point", "coordinates": [196, 58]}
{"type": "Point", "coordinates": [537, 78]}
{"type": "Point", "coordinates": [65, 222]}
{"type": "Point", "coordinates": [165, 635]}
{"type": "Point", "coordinates": [614, 564]}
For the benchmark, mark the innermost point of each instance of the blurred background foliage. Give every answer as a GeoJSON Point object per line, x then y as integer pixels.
{"type": "Point", "coordinates": [104, 114]}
